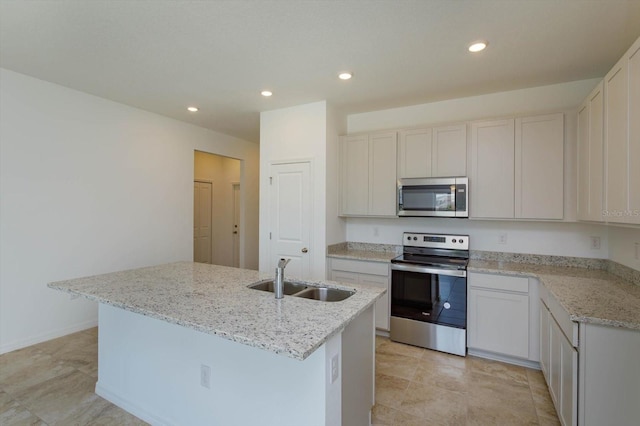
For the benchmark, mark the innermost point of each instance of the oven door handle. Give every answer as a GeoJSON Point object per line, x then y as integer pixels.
{"type": "Point", "coordinates": [427, 270]}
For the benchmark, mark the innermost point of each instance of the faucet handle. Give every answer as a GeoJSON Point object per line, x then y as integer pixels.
{"type": "Point", "coordinates": [283, 262]}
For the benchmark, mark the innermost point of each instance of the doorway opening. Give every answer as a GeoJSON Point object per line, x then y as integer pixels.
{"type": "Point", "coordinates": [216, 209]}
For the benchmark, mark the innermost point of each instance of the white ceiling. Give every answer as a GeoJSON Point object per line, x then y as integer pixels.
{"type": "Point", "coordinates": [162, 56]}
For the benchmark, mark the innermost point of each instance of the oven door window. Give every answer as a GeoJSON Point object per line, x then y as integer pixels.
{"type": "Point", "coordinates": [439, 299]}
{"type": "Point", "coordinates": [431, 198]}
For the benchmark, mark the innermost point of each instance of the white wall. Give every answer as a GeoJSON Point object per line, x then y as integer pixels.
{"type": "Point", "coordinates": [557, 97]}
{"type": "Point", "coordinates": [296, 134]}
{"type": "Point", "coordinates": [91, 186]}
{"type": "Point", "coordinates": [566, 238]}
{"type": "Point", "coordinates": [624, 246]}
{"type": "Point", "coordinates": [561, 239]}
{"type": "Point", "coordinates": [222, 172]}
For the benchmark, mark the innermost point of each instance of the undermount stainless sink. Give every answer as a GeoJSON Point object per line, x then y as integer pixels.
{"type": "Point", "coordinates": [290, 287]}
{"type": "Point", "coordinates": [325, 294]}
{"type": "Point", "coordinates": [300, 289]}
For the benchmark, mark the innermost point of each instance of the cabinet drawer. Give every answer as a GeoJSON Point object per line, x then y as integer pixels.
{"type": "Point", "coordinates": [499, 282]}
{"type": "Point", "coordinates": [363, 267]}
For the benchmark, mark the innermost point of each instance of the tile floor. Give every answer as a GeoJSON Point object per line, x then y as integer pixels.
{"type": "Point", "coordinates": [52, 383]}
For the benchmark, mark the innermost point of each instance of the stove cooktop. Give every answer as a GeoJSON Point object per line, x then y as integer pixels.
{"type": "Point", "coordinates": [435, 261]}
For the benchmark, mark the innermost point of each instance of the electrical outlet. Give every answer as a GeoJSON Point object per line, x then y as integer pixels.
{"type": "Point", "coordinates": [595, 243]}
{"type": "Point", "coordinates": [502, 238]}
{"type": "Point", "coordinates": [335, 367]}
{"type": "Point", "coordinates": [205, 376]}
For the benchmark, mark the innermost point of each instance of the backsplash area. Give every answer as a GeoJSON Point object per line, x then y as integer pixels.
{"type": "Point", "coordinates": [545, 238]}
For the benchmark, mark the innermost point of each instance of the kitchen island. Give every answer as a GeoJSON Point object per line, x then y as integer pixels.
{"type": "Point", "coordinates": [189, 343]}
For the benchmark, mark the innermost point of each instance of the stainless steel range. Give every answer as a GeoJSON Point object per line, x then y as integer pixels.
{"type": "Point", "coordinates": [429, 292]}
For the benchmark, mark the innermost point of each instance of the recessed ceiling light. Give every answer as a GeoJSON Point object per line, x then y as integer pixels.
{"type": "Point", "coordinates": [266, 93]}
{"type": "Point", "coordinates": [192, 109]}
{"type": "Point", "coordinates": [345, 75]}
{"type": "Point", "coordinates": [478, 46]}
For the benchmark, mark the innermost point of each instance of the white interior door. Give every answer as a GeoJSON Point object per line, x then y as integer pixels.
{"type": "Point", "coordinates": [202, 197]}
{"type": "Point", "coordinates": [290, 217]}
{"type": "Point", "coordinates": [236, 225]}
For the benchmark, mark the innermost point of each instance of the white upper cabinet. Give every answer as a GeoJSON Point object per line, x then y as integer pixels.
{"type": "Point", "coordinates": [590, 156]}
{"type": "Point", "coordinates": [622, 139]}
{"type": "Point", "coordinates": [415, 153]}
{"type": "Point", "coordinates": [615, 141]}
{"type": "Point", "coordinates": [433, 152]}
{"type": "Point", "coordinates": [491, 185]}
{"type": "Point", "coordinates": [368, 175]}
{"type": "Point", "coordinates": [355, 175]}
{"type": "Point", "coordinates": [382, 174]}
{"type": "Point", "coordinates": [517, 168]}
{"type": "Point", "coordinates": [539, 171]}
{"type": "Point", "coordinates": [450, 151]}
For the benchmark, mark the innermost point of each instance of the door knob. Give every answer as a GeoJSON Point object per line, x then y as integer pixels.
{"type": "Point", "coordinates": [304, 250]}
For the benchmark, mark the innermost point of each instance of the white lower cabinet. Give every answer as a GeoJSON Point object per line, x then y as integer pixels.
{"type": "Point", "coordinates": [375, 274]}
{"type": "Point", "coordinates": [501, 322]}
{"type": "Point", "coordinates": [609, 381]}
{"type": "Point", "coordinates": [591, 369]}
{"type": "Point", "coordinates": [559, 357]}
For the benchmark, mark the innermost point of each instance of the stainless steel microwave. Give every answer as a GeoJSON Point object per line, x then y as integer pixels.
{"type": "Point", "coordinates": [440, 197]}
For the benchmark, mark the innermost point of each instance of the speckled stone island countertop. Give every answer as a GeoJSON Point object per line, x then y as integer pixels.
{"type": "Point", "coordinates": [215, 300]}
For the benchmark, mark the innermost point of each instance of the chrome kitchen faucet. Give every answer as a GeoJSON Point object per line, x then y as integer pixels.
{"type": "Point", "coordinates": [279, 282]}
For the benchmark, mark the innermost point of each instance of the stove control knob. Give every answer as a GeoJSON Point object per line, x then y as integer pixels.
{"type": "Point", "coordinates": [453, 241]}
{"type": "Point", "coordinates": [415, 238]}
{"type": "Point", "coordinates": [447, 305]}
{"type": "Point", "coordinates": [460, 241]}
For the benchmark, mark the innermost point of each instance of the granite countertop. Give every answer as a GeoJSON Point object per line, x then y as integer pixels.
{"type": "Point", "coordinates": [215, 300]}
{"type": "Point", "coordinates": [588, 295]}
{"type": "Point", "coordinates": [371, 256]}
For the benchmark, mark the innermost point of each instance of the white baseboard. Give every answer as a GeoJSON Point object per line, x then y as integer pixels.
{"type": "Point", "coordinates": [23, 343]}
{"type": "Point", "coordinates": [504, 358]}
{"type": "Point", "coordinates": [130, 407]}
{"type": "Point", "coordinates": [382, 333]}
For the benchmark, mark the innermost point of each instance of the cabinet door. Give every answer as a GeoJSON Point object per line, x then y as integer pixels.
{"type": "Point", "coordinates": [544, 340]}
{"type": "Point", "coordinates": [555, 357]}
{"type": "Point", "coordinates": [563, 375]}
{"type": "Point", "coordinates": [382, 304]}
{"type": "Point", "coordinates": [499, 322]}
{"type": "Point", "coordinates": [568, 383]}
{"type": "Point", "coordinates": [634, 133]}
{"type": "Point", "coordinates": [492, 169]}
{"type": "Point", "coordinates": [539, 171]}
{"type": "Point", "coordinates": [590, 156]}
{"type": "Point", "coordinates": [414, 153]}
{"type": "Point", "coordinates": [382, 174]}
{"type": "Point", "coordinates": [355, 175]}
{"type": "Point", "coordinates": [615, 141]}
{"type": "Point", "coordinates": [450, 150]}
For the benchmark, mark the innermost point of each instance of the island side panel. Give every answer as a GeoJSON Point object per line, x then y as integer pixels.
{"type": "Point", "coordinates": [358, 369]}
{"type": "Point", "coordinates": [152, 368]}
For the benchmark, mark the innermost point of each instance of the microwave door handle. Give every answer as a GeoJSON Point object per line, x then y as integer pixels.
{"type": "Point", "coordinates": [427, 270]}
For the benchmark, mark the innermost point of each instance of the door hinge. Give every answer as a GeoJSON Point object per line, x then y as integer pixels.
{"type": "Point", "coordinates": [270, 180]}
{"type": "Point", "coordinates": [269, 235]}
